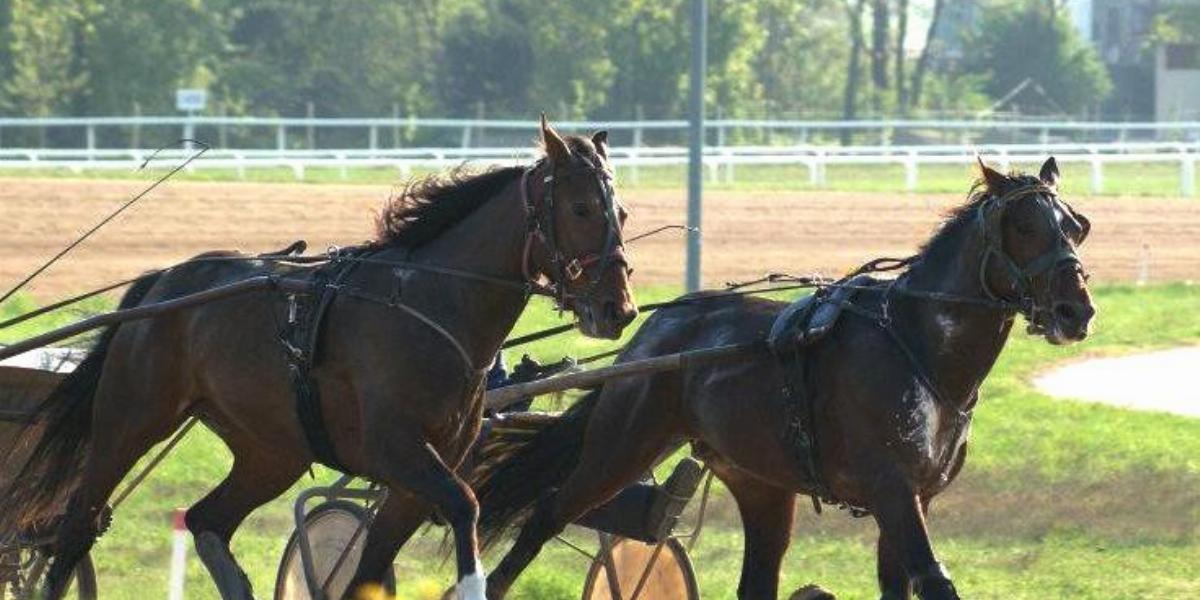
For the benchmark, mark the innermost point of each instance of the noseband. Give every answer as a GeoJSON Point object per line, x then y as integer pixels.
{"type": "Point", "coordinates": [1061, 253]}
{"type": "Point", "coordinates": [539, 227]}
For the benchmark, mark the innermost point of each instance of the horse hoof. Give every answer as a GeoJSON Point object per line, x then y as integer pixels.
{"type": "Point", "coordinates": [812, 592]}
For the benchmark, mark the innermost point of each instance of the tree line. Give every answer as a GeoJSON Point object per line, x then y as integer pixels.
{"type": "Point", "coordinates": [514, 58]}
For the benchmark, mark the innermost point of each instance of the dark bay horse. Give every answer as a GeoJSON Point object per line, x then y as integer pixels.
{"type": "Point", "coordinates": [412, 322]}
{"type": "Point", "coordinates": [891, 389]}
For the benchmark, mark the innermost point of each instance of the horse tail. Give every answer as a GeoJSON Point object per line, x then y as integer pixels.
{"type": "Point", "coordinates": [60, 436]}
{"type": "Point", "coordinates": [521, 459]}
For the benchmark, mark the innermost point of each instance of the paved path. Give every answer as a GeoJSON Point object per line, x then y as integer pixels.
{"type": "Point", "coordinates": [1162, 381]}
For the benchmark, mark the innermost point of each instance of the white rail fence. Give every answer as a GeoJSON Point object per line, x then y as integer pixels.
{"type": "Point", "coordinates": [288, 132]}
{"type": "Point", "coordinates": [721, 163]}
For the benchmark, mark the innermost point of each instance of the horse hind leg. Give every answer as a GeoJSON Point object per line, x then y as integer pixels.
{"type": "Point", "coordinates": [258, 475]}
{"type": "Point", "coordinates": [115, 448]}
{"type": "Point", "coordinates": [767, 514]}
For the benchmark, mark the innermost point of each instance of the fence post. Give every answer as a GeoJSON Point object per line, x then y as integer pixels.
{"type": "Point", "coordinates": [1097, 175]}
{"type": "Point", "coordinates": [1187, 175]}
{"type": "Point", "coordinates": [635, 174]}
{"type": "Point", "coordinates": [281, 137]}
{"type": "Point", "coordinates": [720, 128]}
{"type": "Point", "coordinates": [91, 139]}
{"type": "Point", "coordinates": [311, 131]}
{"type": "Point", "coordinates": [395, 124]}
{"type": "Point", "coordinates": [189, 131]}
{"type": "Point", "coordinates": [179, 544]}
{"type": "Point", "coordinates": [373, 138]}
{"type": "Point", "coordinates": [223, 128]}
{"type": "Point", "coordinates": [136, 141]}
{"type": "Point", "coordinates": [910, 171]}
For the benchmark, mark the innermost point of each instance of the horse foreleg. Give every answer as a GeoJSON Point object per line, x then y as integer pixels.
{"type": "Point", "coordinates": [398, 518]}
{"type": "Point", "coordinates": [901, 518]}
{"type": "Point", "coordinates": [257, 476]}
{"type": "Point", "coordinates": [411, 465]}
{"type": "Point", "coordinates": [893, 580]}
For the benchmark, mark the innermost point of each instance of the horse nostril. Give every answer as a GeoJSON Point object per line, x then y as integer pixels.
{"type": "Point", "coordinates": [610, 311]}
{"type": "Point", "coordinates": [1065, 311]}
{"type": "Point", "coordinates": [629, 314]}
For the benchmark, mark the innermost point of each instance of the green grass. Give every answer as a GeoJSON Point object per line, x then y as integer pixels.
{"type": "Point", "coordinates": [1126, 179]}
{"type": "Point", "coordinates": [1059, 499]}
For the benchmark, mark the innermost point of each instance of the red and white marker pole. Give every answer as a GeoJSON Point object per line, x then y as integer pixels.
{"type": "Point", "coordinates": [179, 535]}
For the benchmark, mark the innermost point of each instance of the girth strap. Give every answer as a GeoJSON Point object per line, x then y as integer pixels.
{"type": "Point", "coordinates": [300, 338]}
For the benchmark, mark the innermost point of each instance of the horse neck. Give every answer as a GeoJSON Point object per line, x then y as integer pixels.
{"type": "Point", "coordinates": [957, 343]}
{"type": "Point", "coordinates": [489, 242]}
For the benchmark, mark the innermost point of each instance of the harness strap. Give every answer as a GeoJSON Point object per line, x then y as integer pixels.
{"type": "Point", "coordinates": [304, 326]}
{"type": "Point", "coordinates": [394, 302]}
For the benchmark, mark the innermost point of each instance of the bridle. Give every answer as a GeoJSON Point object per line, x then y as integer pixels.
{"type": "Point", "coordinates": [988, 216]}
{"type": "Point", "coordinates": [540, 228]}
{"type": "Point", "coordinates": [1021, 277]}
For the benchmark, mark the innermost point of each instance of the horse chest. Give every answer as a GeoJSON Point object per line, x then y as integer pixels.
{"type": "Point", "coordinates": [927, 438]}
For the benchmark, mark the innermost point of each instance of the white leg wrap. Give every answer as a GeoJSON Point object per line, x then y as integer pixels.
{"type": "Point", "coordinates": [473, 586]}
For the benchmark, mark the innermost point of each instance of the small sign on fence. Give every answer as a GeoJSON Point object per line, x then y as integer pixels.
{"type": "Point", "coordinates": [190, 100]}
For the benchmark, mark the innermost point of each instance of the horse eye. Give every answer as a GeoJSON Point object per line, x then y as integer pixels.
{"type": "Point", "coordinates": [580, 209]}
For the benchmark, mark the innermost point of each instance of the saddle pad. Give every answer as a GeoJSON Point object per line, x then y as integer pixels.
{"type": "Point", "coordinates": [809, 319]}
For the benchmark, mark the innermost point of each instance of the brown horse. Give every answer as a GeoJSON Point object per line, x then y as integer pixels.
{"type": "Point", "coordinates": [413, 319]}
{"type": "Point", "coordinates": [889, 393]}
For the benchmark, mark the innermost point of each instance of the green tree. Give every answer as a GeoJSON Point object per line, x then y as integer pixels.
{"type": "Point", "coordinates": [650, 46]}
{"type": "Point", "coordinates": [486, 59]}
{"type": "Point", "coordinates": [347, 57]}
{"type": "Point", "coordinates": [141, 51]}
{"type": "Point", "coordinates": [1035, 41]}
{"type": "Point", "coordinates": [43, 75]}
{"type": "Point", "coordinates": [571, 68]}
{"type": "Point", "coordinates": [1177, 23]}
{"type": "Point", "coordinates": [802, 40]}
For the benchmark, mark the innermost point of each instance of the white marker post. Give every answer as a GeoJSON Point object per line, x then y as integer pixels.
{"type": "Point", "coordinates": [179, 542]}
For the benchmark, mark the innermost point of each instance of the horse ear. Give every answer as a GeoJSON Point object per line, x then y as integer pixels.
{"type": "Point", "coordinates": [600, 141]}
{"type": "Point", "coordinates": [994, 179]}
{"type": "Point", "coordinates": [1049, 173]}
{"type": "Point", "coordinates": [555, 147]}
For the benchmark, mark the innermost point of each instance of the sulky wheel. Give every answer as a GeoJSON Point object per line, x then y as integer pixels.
{"type": "Point", "coordinates": [22, 570]}
{"type": "Point", "coordinates": [330, 527]}
{"type": "Point", "coordinates": [669, 575]}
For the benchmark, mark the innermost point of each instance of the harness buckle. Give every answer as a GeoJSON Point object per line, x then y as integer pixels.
{"type": "Point", "coordinates": [573, 269]}
{"type": "Point", "coordinates": [293, 309]}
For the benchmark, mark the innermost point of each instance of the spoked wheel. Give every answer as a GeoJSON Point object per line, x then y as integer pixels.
{"type": "Point", "coordinates": [331, 527]}
{"type": "Point", "coordinates": [23, 570]}
{"type": "Point", "coordinates": [663, 572]}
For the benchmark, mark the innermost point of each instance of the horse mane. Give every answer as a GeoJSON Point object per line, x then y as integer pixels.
{"type": "Point", "coordinates": [428, 206]}
{"type": "Point", "coordinates": [963, 215]}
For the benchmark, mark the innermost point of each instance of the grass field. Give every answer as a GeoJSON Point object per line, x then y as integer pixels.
{"type": "Point", "coordinates": [1122, 179]}
{"type": "Point", "coordinates": [1059, 499]}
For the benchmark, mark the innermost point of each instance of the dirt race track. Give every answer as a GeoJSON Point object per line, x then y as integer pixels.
{"type": "Point", "coordinates": [745, 233]}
